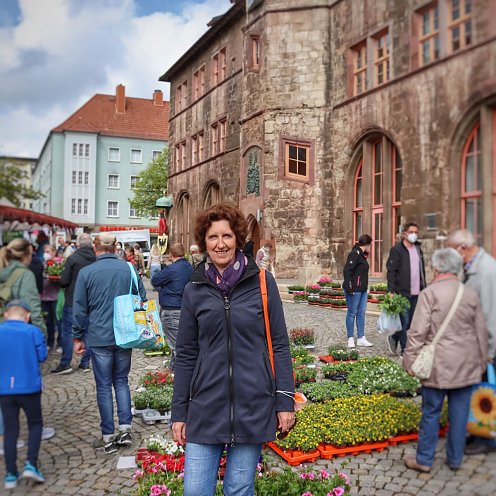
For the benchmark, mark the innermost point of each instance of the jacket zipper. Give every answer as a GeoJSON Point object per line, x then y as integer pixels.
{"type": "Point", "coordinates": [227, 311]}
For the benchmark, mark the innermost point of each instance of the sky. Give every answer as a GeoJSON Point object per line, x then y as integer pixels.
{"type": "Point", "coordinates": [56, 54]}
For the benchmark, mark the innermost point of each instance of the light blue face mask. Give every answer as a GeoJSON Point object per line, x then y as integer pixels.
{"type": "Point", "coordinates": [412, 237]}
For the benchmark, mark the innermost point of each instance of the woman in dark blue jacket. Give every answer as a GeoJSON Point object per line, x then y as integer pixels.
{"type": "Point", "coordinates": [225, 391]}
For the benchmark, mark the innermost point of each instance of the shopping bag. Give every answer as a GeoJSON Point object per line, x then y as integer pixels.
{"type": "Point", "coordinates": [59, 309]}
{"type": "Point", "coordinates": [482, 416]}
{"type": "Point", "coordinates": [129, 315]}
{"type": "Point", "coordinates": [388, 323]}
{"type": "Point", "coordinates": [149, 317]}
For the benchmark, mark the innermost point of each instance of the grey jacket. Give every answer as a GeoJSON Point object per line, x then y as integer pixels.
{"type": "Point", "coordinates": [482, 278]}
{"type": "Point", "coordinates": [461, 354]}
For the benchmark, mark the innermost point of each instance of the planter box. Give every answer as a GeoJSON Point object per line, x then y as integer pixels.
{"type": "Point", "coordinates": [329, 451]}
{"type": "Point", "coordinates": [295, 457]}
{"type": "Point", "coordinates": [330, 359]}
{"type": "Point", "coordinates": [53, 278]}
{"type": "Point", "coordinates": [339, 306]}
{"type": "Point", "coordinates": [403, 438]}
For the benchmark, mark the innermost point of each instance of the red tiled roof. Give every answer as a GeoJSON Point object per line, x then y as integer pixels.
{"type": "Point", "coordinates": [142, 118]}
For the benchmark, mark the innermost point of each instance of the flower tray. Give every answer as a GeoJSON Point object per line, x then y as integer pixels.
{"type": "Point", "coordinates": [329, 451]}
{"type": "Point", "coordinates": [330, 359]}
{"type": "Point", "coordinates": [295, 457]}
{"type": "Point", "coordinates": [403, 438]}
{"type": "Point", "coordinates": [54, 278]}
{"type": "Point", "coordinates": [150, 417]}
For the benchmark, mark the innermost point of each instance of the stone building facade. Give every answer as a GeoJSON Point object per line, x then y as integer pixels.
{"type": "Point", "coordinates": [341, 117]}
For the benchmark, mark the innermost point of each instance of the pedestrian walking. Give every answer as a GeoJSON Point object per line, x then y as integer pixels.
{"type": "Point", "coordinates": [263, 258]}
{"type": "Point", "coordinates": [49, 300]}
{"type": "Point", "coordinates": [65, 249]}
{"type": "Point", "coordinates": [405, 276]}
{"type": "Point", "coordinates": [93, 311]}
{"type": "Point", "coordinates": [22, 348]}
{"type": "Point", "coordinates": [119, 252]}
{"type": "Point", "coordinates": [154, 260]}
{"type": "Point", "coordinates": [459, 360]}
{"type": "Point", "coordinates": [140, 259]}
{"type": "Point", "coordinates": [355, 285]}
{"type": "Point", "coordinates": [195, 255]}
{"type": "Point", "coordinates": [171, 282]}
{"type": "Point", "coordinates": [480, 275]}
{"type": "Point", "coordinates": [224, 390]}
{"type": "Point", "coordinates": [83, 256]}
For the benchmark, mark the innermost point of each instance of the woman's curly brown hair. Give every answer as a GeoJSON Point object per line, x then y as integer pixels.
{"type": "Point", "coordinates": [221, 211]}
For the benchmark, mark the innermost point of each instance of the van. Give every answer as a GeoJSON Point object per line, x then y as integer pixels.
{"type": "Point", "coordinates": [131, 237]}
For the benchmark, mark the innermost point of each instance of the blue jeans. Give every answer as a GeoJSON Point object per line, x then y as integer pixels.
{"type": "Point", "coordinates": [406, 320]}
{"type": "Point", "coordinates": [67, 345]}
{"type": "Point", "coordinates": [458, 409]}
{"type": "Point", "coordinates": [357, 305]}
{"type": "Point", "coordinates": [202, 464]}
{"type": "Point", "coordinates": [111, 366]}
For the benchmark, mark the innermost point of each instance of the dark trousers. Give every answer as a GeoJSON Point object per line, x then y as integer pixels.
{"type": "Point", "coordinates": [406, 320]}
{"type": "Point", "coordinates": [11, 405]}
{"type": "Point", "coordinates": [49, 307]}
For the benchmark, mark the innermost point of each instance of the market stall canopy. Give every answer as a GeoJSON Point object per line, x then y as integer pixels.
{"type": "Point", "coordinates": [19, 219]}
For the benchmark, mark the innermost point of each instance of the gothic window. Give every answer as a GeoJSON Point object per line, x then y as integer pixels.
{"type": "Point", "coordinates": [212, 195]}
{"type": "Point", "coordinates": [184, 220]}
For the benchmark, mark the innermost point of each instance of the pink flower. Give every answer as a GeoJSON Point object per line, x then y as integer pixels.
{"type": "Point", "coordinates": [155, 490]}
{"type": "Point", "coordinates": [310, 476]}
{"type": "Point", "coordinates": [324, 474]}
{"type": "Point", "coordinates": [138, 474]}
{"type": "Point", "coordinates": [303, 476]}
{"type": "Point", "coordinates": [307, 493]}
{"type": "Point", "coordinates": [344, 477]}
{"type": "Point", "coordinates": [338, 491]}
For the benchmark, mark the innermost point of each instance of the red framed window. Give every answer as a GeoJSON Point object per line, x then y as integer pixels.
{"type": "Point", "coordinates": [377, 173]}
{"type": "Point", "coordinates": [358, 203]}
{"type": "Point", "coordinates": [397, 166]}
{"type": "Point", "coordinates": [472, 184]}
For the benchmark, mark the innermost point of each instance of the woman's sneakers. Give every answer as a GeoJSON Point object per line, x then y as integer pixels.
{"type": "Point", "coordinates": [351, 342]}
{"type": "Point", "coordinates": [363, 342]}
{"type": "Point", "coordinates": [31, 472]}
{"type": "Point", "coordinates": [10, 481]}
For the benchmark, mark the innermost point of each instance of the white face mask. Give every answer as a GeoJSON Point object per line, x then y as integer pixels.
{"type": "Point", "coordinates": [47, 256]}
{"type": "Point", "coordinates": [412, 237]}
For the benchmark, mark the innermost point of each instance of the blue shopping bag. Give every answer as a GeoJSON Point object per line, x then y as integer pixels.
{"type": "Point", "coordinates": [482, 416]}
{"type": "Point", "coordinates": [130, 329]}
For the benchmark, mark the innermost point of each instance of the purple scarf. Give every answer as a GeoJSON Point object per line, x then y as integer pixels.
{"type": "Point", "coordinates": [231, 275]}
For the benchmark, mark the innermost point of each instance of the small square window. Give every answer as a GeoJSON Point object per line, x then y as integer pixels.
{"type": "Point", "coordinates": [113, 181]}
{"type": "Point", "coordinates": [133, 212]}
{"type": "Point", "coordinates": [156, 154]}
{"type": "Point", "coordinates": [112, 209]}
{"type": "Point", "coordinates": [136, 156]}
{"type": "Point", "coordinates": [133, 182]}
{"type": "Point", "coordinates": [297, 158]}
{"type": "Point", "coordinates": [114, 154]}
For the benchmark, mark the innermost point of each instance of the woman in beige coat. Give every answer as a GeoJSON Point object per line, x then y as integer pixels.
{"type": "Point", "coordinates": [459, 360]}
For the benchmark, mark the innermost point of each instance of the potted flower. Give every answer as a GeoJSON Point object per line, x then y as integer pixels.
{"type": "Point", "coordinates": [325, 302]}
{"type": "Point", "coordinates": [379, 288]}
{"type": "Point", "coordinates": [301, 356]}
{"type": "Point", "coordinates": [313, 288]}
{"type": "Point", "coordinates": [343, 353]}
{"type": "Point", "coordinates": [338, 303]}
{"type": "Point", "coordinates": [299, 296]}
{"type": "Point", "coordinates": [336, 285]}
{"type": "Point", "coordinates": [324, 281]}
{"type": "Point", "coordinates": [305, 374]}
{"type": "Point", "coordinates": [337, 294]}
{"type": "Point", "coordinates": [300, 336]}
{"type": "Point", "coordinates": [295, 287]}
{"type": "Point", "coordinates": [54, 268]}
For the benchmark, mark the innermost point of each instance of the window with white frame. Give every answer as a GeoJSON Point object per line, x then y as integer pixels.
{"type": "Point", "coordinates": [113, 181]}
{"type": "Point", "coordinates": [73, 206]}
{"type": "Point", "coordinates": [136, 156]}
{"type": "Point", "coordinates": [112, 209]}
{"type": "Point", "coordinates": [156, 154]}
{"type": "Point", "coordinates": [133, 182]}
{"type": "Point", "coordinates": [85, 206]}
{"type": "Point", "coordinates": [86, 150]}
{"type": "Point", "coordinates": [74, 149]}
{"type": "Point", "coordinates": [132, 212]}
{"type": "Point", "coordinates": [114, 154]}
{"type": "Point", "coordinates": [80, 206]}
{"type": "Point", "coordinates": [74, 177]}
{"type": "Point", "coordinates": [86, 178]}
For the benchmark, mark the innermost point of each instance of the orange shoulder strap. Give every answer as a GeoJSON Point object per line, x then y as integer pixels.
{"type": "Point", "coordinates": [265, 303]}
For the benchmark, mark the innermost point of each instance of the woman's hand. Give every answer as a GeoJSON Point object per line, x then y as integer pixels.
{"type": "Point", "coordinates": [179, 432]}
{"type": "Point", "coordinates": [285, 420]}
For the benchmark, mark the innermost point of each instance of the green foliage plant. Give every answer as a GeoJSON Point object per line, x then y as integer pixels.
{"type": "Point", "coordinates": [394, 304]}
{"type": "Point", "coordinates": [301, 336]}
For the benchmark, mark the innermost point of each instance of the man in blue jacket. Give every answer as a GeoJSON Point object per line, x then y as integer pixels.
{"type": "Point", "coordinates": [93, 315]}
{"type": "Point", "coordinates": [22, 348]}
{"type": "Point", "coordinates": [171, 282]}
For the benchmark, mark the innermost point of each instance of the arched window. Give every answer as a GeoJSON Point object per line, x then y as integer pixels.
{"type": "Point", "coordinates": [212, 195]}
{"type": "Point", "coordinates": [184, 220]}
{"type": "Point", "coordinates": [377, 197]}
{"type": "Point", "coordinates": [472, 184]}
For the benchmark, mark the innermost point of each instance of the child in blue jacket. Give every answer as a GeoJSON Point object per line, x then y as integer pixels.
{"type": "Point", "coordinates": [22, 348]}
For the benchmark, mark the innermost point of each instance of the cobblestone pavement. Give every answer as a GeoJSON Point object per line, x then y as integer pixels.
{"type": "Point", "coordinates": [71, 466]}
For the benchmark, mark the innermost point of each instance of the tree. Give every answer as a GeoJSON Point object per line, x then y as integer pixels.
{"type": "Point", "coordinates": [151, 185]}
{"type": "Point", "coordinates": [14, 183]}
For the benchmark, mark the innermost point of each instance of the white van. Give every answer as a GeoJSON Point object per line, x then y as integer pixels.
{"type": "Point", "coordinates": [131, 237]}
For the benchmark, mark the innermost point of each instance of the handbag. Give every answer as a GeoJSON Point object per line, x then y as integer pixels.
{"type": "Point", "coordinates": [132, 327]}
{"type": "Point", "coordinates": [482, 418]}
{"type": "Point", "coordinates": [299, 398]}
{"type": "Point", "coordinates": [388, 323]}
{"type": "Point", "coordinates": [422, 365]}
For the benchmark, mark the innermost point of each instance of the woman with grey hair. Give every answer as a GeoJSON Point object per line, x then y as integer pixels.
{"type": "Point", "coordinates": [459, 359]}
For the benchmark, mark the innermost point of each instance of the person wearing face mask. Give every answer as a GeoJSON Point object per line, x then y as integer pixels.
{"type": "Point", "coordinates": [405, 276]}
{"type": "Point", "coordinates": [355, 284]}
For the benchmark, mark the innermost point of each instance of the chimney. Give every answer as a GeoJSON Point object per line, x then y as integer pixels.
{"type": "Point", "coordinates": [120, 99]}
{"type": "Point", "coordinates": [158, 98]}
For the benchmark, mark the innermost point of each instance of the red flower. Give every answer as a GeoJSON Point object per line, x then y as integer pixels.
{"type": "Point", "coordinates": [50, 262]}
